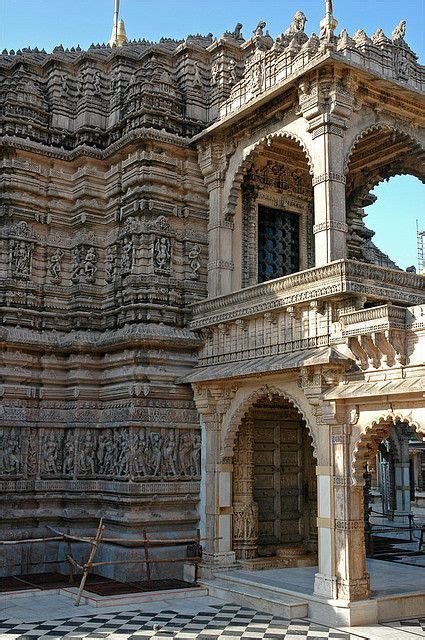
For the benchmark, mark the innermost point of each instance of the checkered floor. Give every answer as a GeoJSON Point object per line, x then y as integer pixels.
{"type": "Point", "coordinates": [226, 622]}
{"type": "Point", "coordinates": [414, 625]}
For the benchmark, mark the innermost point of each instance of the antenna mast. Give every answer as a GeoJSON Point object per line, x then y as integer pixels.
{"type": "Point", "coordinates": [420, 235]}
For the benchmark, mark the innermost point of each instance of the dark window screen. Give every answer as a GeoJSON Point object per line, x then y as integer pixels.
{"type": "Point", "coordinates": [278, 243]}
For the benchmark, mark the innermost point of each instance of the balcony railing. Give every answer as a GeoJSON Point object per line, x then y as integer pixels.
{"type": "Point", "coordinates": [334, 279]}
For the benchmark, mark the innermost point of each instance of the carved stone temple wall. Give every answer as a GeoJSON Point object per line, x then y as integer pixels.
{"type": "Point", "coordinates": [183, 251]}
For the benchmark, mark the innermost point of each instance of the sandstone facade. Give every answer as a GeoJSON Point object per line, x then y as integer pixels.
{"type": "Point", "coordinates": [178, 220]}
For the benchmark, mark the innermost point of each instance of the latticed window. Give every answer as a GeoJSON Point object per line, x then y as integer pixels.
{"type": "Point", "coordinates": [278, 243]}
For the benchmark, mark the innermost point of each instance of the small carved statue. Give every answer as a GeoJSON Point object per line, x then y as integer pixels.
{"type": "Point", "coordinates": [87, 454]}
{"type": "Point", "coordinates": [21, 253]}
{"type": "Point", "coordinates": [77, 264]}
{"type": "Point", "coordinates": [197, 80]}
{"type": "Point", "coordinates": [259, 29]}
{"type": "Point", "coordinates": [68, 454]}
{"type": "Point", "coordinates": [114, 82]}
{"type": "Point", "coordinates": [257, 77]}
{"type": "Point", "coordinates": [297, 24]}
{"type": "Point", "coordinates": [214, 73]}
{"type": "Point", "coordinates": [194, 262]}
{"type": "Point", "coordinates": [105, 452]}
{"type": "Point", "coordinates": [196, 454]}
{"type": "Point", "coordinates": [237, 33]}
{"type": "Point", "coordinates": [168, 454]}
{"type": "Point", "coordinates": [11, 458]}
{"type": "Point", "coordinates": [123, 453]}
{"type": "Point", "coordinates": [55, 265]}
{"type": "Point", "coordinates": [90, 267]}
{"type": "Point", "coordinates": [162, 252]}
{"type": "Point", "coordinates": [184, 456]}
{"type": "Point", "coordinates": [142, 453]}
{"type": "Point", "coordinates": [127, 256]}
{"type": "Point", "coordinates": [64, 85]}
{"type": "Point", "coordinates": [233, 75]}
{"type": "Point", "coordinates": [156, 453]}
{"type": "Point", "coordinates": [111, 263]}
{"type": "Point", "coordinates": [97, 85]}
{"type": "Point", "coordinates": [51, 453]}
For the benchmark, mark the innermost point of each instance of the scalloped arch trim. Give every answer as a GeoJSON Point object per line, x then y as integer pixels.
{"type": "Point", "coordinates": [245, 163]}
{"type": "Point", "coordinates": [232, 425]}
{"type": "Point", "coordinates": [364, 446]}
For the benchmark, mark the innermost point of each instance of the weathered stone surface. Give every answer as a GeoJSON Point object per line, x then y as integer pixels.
{"type": "Point", "coordinates": [132, 185]}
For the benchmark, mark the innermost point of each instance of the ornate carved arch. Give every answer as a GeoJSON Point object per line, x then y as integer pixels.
{"type": "Point", "coordinates": [377, 126]}
{"type": "Point", "coordinates": [245, 162]}
{"type": "Point", "coordinates": [233, 419]}
{"type": "Point", "coordinates": [371, 435]}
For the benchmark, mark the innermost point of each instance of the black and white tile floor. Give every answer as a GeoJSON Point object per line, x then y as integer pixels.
{"type": "Point", "coordinates": [224, 622]}
{"type": "Point", "coordinates": [415, 626]}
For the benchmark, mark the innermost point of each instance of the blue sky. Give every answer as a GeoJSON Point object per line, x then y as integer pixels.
{"type": "Point", "coordinates": [46, 23]}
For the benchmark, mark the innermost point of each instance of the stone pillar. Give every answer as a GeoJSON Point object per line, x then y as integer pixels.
{"type": "Point", "coordinates": [402, 475]}
{"type": "Point", "coordinates": [216, 482]}
{"type": "Point", "coordinates": [245, 510]}
{"type": "Point", "coordinates": [212, 160]}
{"type": "Point", "coordinates": [325, 581]}
{"type": "Point", "coordinates": [330, 228]}
{"type": "Point", "coordinates": [326, 105]}
{"type": "Point", "coordinates": [350, 554]}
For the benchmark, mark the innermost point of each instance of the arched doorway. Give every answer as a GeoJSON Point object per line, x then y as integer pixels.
{"type": "Point", "coordinates": [382, 465]}
{"type": "Point", "coordinates": [274, 486]}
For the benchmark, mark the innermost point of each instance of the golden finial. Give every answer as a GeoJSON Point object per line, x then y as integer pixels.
{"type": "Point", "coordinates": [328, 24]}
{"type": "Point", "coordinates": [118, 36]}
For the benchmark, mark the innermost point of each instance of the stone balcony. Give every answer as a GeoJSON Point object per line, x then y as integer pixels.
{"type": "Point", "coordinates": [336, 279]}
{"type": "Point", "coordinates": [308, 317]}
{"type": "Point", "coordinates": [376, 336]}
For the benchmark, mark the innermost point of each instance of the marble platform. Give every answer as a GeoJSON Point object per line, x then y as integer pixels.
{"type": "Point", "coordinates": [398, 591]}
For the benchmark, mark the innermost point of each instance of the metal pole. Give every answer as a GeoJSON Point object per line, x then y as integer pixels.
{"type": "Point", "coordinates": [116, 14]}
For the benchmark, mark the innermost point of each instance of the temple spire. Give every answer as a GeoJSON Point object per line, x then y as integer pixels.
{"type": "Point", "coordinates": [118, 36]}
{"type": "Point", "coordinates": [329, 23]}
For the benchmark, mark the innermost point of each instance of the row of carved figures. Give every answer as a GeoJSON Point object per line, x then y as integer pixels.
{"type": "Point", "coordinates": [124, 453]}
{"type": "Point", "coordinates": [119, 260]}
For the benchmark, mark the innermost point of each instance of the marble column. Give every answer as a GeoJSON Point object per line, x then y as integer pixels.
{"type": "Point", "coordinates": [216, 481]}
{"type": "Point", "coordinates": [325, 581]}
{"type": "Point", "coordinates": [330, 228]}
{"type": "Point", "coordinates": [349, 549]}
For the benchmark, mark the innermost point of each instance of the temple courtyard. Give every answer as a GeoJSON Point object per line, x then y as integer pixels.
{"type": "Point", "coordinates": [192, 614]}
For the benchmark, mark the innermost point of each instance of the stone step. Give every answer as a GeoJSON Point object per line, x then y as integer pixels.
{"type": "Point", "coordinates": [267, 599]}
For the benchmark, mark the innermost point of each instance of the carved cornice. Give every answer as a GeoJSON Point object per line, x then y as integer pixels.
{"type": "Point", "coordinates": [340, 277]}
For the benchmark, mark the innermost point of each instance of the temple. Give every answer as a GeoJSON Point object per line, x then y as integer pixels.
{"type": "Point", "coordinates": [197, 327]}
